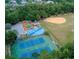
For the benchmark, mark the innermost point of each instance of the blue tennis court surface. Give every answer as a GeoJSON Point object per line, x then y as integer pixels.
{"type": "Point", "coordinates": [25, 48]}
{"type": "Point", "coordinates": [35, 31]}
{"type": "Point", "coordinates": [30, 43]}
{"type": "Point", "coordinates": [29, 54]}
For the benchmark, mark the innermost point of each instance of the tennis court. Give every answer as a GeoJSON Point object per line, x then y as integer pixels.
{"type": "Point", "coordinates": [35, 31]}
{"type": "Point", "coordinates": [25, 48]}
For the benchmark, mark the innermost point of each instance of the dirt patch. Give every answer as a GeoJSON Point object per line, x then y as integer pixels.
{"type": "Point", "coordinates": [56, 20]}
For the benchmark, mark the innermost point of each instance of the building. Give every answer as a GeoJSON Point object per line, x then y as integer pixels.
{"type": "Point", "coordinates": [13, 3]}
{"type": "Point", "coordinates": [23, 2]}
{"type": "Point", "coordinates": [48, 2]}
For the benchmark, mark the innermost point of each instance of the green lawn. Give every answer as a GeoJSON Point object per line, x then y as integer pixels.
{"type": "Point", "coordinates": [63, 33]}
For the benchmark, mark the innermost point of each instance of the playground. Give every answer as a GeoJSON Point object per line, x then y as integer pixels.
{"type": "Point", "coordinates": [28, 27]}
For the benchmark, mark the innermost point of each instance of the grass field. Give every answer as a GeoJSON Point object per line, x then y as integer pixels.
{"type": "Point", "coordinates": [63, 33]}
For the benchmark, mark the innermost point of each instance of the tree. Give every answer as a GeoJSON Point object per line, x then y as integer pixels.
{"type": "Point", "coordinates": [9, 57]}
{"type": "Point", "coordinates": [7, 1]}
{"type": "Point", "coordinates": [12, 17]}
{"type": "Point", "coordinates": [44, 54]}
{"type": "Point", "coordinates": [10, 38]}
{"type": "Point", "coordinates": [30, 1]}
{"type": "Point", "coordinates": [46, 33]}
{"type": "Point", "coordinates": [37, 11]}
{"type": "Point", "coordinates": [18, 1]}
{"type": "Point", "coordinates": [66, 52]}
{"type": "Point", "coordinates": [35, 55]}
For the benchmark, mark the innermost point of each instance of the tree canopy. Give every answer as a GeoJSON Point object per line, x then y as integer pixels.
{"type": "Point", "coordinates": [10, 37]}
{"type": "Point", "coordinates": [36, 11]}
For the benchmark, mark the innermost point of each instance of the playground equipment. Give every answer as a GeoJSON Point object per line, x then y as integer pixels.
{"type": "Point", "coordinates": [27, 25]}
{"type": "Point", "coordinates": [24, 25]}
